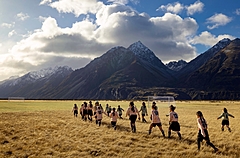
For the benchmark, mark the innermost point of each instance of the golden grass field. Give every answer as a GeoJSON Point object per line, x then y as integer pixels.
{"type": "Point", "coordinates": [48, 129]}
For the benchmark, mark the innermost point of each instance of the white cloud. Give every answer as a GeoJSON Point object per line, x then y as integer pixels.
{"type": "Point", "coordinates": [119, 1]}
{"type": "Point", "coordinates": [173, 8]}
{"type": "Point", "coordinates": [13, 32]}
{"type": "Point", "coordinates": [208, 39]}
{"type": "Point", "coordinates": [21, 16]}
{"type": "Point", "coordinates": [7, 25]}
{"type": "Point", "coordinates": [114, 25]}
{"type": "Point", "coordinates": [218, 20]}
{"type": "Point", "coordinates": [237, 11]}
{"type": "Point", "coordinates": [76, 7]}
{"type": "Point", "coordinates": [0, 44]}
{"type": "Point", "coordinates": [124, 1]}
{"type": "Point", "coordinates": [45, 2]}
{"type": "Point", "coordinates": [194, 8]}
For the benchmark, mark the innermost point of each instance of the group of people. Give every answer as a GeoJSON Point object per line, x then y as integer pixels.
{"type": "Point", "coordinates": [88, 110]}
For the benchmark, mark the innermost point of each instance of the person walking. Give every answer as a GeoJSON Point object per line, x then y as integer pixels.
{"type": "Point", "coordinates": [173, 122]}
{"type": "Point", "coordinates": [155, 120]}
{"type": "Point", "coordinates": [225, 119]}
{"type": "Point", "coordinates": [203, 132]}
{"type": "Point", "coordinates": [75, 110]}
{"type": "Point", "coordinates": [132, 112]}
{"type": "Point", "coordinates": [144, 111]}
{"type": "Point", "coordinates": [119, 111]}
{"type": "Point", "coordinates": [114, 116]}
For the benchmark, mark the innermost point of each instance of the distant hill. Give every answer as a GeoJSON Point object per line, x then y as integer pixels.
{"type": "Point", "coordinates": [34, 84]}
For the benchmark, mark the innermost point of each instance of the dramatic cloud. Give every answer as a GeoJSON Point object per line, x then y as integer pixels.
{"type": "Point", "coordinates": [196, 7]}
{"type": "Point", "coordinates": [115, 25]}
{"type": "Point", "coordinates": [21, 16]}
{"type": "Point", "coordinates": [173, 8]}
{"type": "Point", "coordinates": [208, 39]}
{"type": "Point", "coordinates": [218, 20]}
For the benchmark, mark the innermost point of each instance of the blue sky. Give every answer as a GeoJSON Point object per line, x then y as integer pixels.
{"type": "Point", "coordinates": [45, 33]}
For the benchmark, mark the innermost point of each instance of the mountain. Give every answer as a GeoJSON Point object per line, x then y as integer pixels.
{"type": "Point", "coordinates": [135, 73]}
{"type": "Point", "coordinates": [31, 85]}
{"type": "Point", "coordinates": [202, 59]}
{"type": "Point", "coordinates": [176, 65]}
{"type": "Point", "coordinates": [116, 74]}
{"type": "Point", "coordinates": [221, 72]}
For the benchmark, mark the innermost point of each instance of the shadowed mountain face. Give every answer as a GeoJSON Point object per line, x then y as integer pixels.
{"type": "Point", "coordinates": [221, 72]}
{"type": "Point", "coordinates": [134, 73]}
{"type": "Point", "coordinates": [200, 60]}
{"type": "Point", "coordinates": [114, 74]}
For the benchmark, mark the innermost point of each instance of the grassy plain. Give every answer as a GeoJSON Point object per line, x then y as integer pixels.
{"type": "Point", "coordinates": [48, 129]}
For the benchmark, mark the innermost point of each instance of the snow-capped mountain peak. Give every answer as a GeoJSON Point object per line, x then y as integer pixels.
{"type": "Point", "coordinates": [37, 75]}
{"type": "Point", "coordinates": [221, 44]}
{"type": "Point", "coordinates": [142, 51]}
{"type": "Point", "coordinates": [176, 65]}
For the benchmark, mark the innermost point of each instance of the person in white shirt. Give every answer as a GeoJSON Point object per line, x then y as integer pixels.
{"type": "Point", "coordinates": [114, 116]}
{"type": "Point", "coordinates": [203, 132]}
{"type": "Point", "coordinates": [98, 115]}
{"type": "Point", "coordinates": [225, 119]}
{"type": "Point", "coordinates": [132, 112]}
{"type": "Point", "coordinates": [173, 122]}
{"type": "Point", "coordinates": [155, 120]}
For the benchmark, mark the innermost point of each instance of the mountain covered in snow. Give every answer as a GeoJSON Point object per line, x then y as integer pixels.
{"type": "Point", "coordinates": [176, 65]}
{"type": "Point", "coordinates": [33, 81]}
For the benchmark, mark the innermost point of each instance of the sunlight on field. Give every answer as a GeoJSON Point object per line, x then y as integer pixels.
{"type": "Point", "coordinates": [48, 129]}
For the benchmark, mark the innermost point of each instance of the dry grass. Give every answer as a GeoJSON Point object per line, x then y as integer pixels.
{"type": "Point", "coordinates": [56, 133]}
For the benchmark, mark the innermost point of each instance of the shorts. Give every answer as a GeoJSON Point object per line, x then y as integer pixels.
{"type": "Point", "coordinates": [174, 126]}
{"type": "Point", "coordinates": [90, 112]}
{"type": "Point", "coordinates": [75, 112]}
{"type": "Point", "coordinates": [133, 118]}
{"type": "Point", "coordinates": [200, 136]}
{"type": "Point", "coordinates": [225, 122]}
{"type": "Point", "coordinates": [156, 124]}
{"type": "Point", "coordinates": [113, 123]}
{"type": "Point", "coordinates": [85, 112]}
{"type": "Point", "coordinates": [143, 115]}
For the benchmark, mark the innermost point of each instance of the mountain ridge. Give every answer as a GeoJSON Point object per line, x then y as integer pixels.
{"type": "Point", "coordinates": [135, 72]}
